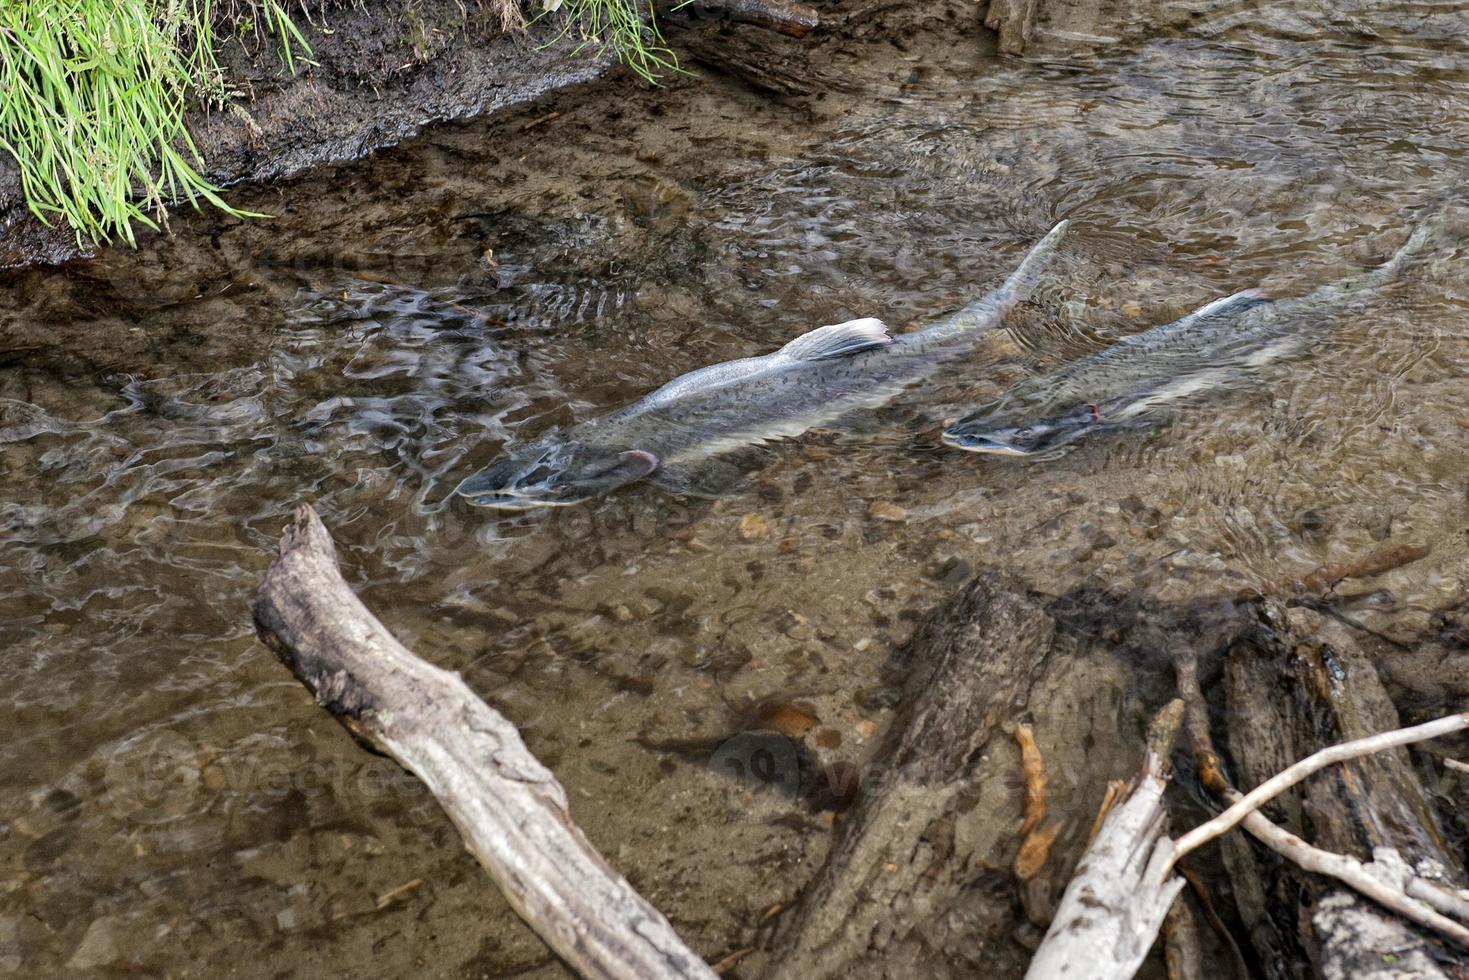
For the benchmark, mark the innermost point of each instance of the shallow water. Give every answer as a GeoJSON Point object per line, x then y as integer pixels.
{"type": "Point", "coordinates": [169, 789]}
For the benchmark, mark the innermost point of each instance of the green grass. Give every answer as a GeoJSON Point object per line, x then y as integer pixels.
{"type": "Point", "coordinates": [639, 44]}
{"type": "Point", "coordinates": [93, 95]}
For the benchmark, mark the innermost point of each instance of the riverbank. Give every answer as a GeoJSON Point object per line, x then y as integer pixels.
{"type": "Point", "coordinates": [383, 70]}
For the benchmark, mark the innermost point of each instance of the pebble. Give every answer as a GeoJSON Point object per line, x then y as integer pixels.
{"type": "Point", "coordinates": [753, 527]}
{"type": "Point", "coordinates": [99, 945]}
{"type": "Point", "coordinates": [793, 720]}
{"type": "Point", "coordinates": [796, 626]}
{"type": "Point", "coordinates": [886, 510]}
{"type": "Point", "coordinates": [953, 571]}
{"type": "Point", "coordinates": [504, 617]}
{"type": "Point", "coordinates": [621, 613]}
{"type": "Point", "coordinates": [879, 698]}
{"type": "Point", "coordinates": [1312, 521]}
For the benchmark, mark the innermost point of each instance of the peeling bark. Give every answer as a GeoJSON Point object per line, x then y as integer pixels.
{"type": "Point", "coordinates": [508, 807]}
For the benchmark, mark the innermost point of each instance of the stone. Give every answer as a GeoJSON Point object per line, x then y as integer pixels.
{"type": "Point", "coordinates": [886, 510]}
{"type": "Point", "coordinates": [98, 947]}
{"type": "Point", "coordinates": [753, 527]}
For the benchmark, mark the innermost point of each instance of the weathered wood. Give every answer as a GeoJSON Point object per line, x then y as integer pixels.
{"type": "Point", "coordinates": [1122, 890]}
{"type": "Point", "coordinates": [972, 663]}
{"type": "Point", "coordinates": [509, 808]}
{"type": "Point", "coordinates": [1300, 684]}
{"type": "Point", "coordinates": [789, 18]}
{"type": "Point", "coordinates": [1013, 21]}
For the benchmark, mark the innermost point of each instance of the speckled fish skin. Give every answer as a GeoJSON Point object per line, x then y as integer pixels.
{"type": "Point", "coordinates": [812, 381]}
{"type": "Point", "coordinates": [1218, 344]}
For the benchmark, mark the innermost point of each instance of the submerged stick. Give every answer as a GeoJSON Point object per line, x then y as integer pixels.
{"type": "Point", "coordinates": [509, 808]}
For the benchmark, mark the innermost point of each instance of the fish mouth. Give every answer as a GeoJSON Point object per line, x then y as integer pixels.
{"type": "Point", "coordinates": [510, 500]}
{"type": "Point", "coordinates": [487, 488]}
{"type": "Point", "coordinates": [981, 444]}
{"type": "Point", "coordinates": [475, 491]}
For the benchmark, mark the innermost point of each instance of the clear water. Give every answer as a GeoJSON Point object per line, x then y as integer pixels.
{"type": "Point", "coordinates": [170, 790]}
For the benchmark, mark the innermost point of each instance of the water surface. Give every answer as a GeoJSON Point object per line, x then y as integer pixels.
{"type": "Point", "coordinates": [169, 790]}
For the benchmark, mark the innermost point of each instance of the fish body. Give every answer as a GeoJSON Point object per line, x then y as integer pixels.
{"type": "Point", "coordinates": [675, 435]}
{"type": "Point", "coordinates": [1217, 345]}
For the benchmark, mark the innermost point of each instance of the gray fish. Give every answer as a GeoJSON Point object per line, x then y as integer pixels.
{"type": "Point", "coordinates": [675, 436]}
{"type": "Point", "coordinates": [1220, 344]}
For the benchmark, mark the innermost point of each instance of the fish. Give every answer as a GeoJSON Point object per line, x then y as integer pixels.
{"type": "Point", "coordinates": [679, 437]}
{"type": "Point", "coordinates": [1213, 348]}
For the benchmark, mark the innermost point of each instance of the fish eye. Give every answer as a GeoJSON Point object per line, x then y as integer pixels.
{"type": "Point", "coordinates": [1023, 433]}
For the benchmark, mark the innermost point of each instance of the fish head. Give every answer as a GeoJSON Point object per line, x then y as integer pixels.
{"type": "Point", "coordinates": [555, 472]}
{"type": "Point", "coordinates": [1027, 437]}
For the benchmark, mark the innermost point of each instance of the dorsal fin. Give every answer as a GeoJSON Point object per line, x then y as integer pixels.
{"type": "Point", "coordinates": [839, 340]}
{"type": "Point", "coordinates": [1231, 305]}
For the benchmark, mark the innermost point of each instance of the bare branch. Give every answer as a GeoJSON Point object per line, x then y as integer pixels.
{"type": "Point", "coordinates": [1388, 886]}
{"type": "Point", "coordinates": [1284, 780]}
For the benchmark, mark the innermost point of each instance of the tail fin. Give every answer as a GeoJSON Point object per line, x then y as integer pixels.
{"type": "Point", "coordinates": [1412, 248]}
{"type": "Point", "coordinates": [1359, 286]}
{"type": "Point", "coordinates": [987, 312]}
{"type": "Point", "coordinates": [1024, 278]}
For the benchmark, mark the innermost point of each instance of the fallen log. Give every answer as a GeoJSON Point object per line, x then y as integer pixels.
{"type": "Point", "coordinates": [894, 872]}
{"type": "Point", "coordinates": [509, 808]}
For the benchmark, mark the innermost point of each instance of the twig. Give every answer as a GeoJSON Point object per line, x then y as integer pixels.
{"type": "Point", "coordinates": [1284, 780]}
{"type": "Point", "coordinates": [1037, 834]}
{"type": "Point", "coordinates": [1450, 901]}
{"type": "Point", "coordinates": [388, 897]}
{"type": "Point", "coordinates": [793, 19]}
{"type": "Point", "coordinates": [1109, 800]}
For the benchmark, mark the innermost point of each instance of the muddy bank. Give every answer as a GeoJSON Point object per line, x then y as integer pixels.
{"type": "Point", "coordinates": [384, 71]}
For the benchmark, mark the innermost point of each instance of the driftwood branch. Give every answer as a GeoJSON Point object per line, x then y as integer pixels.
{"type": "Point", "coordinates": [509, 808]}
{"type": "Point", "coordinates": [1386, 880]}
{"type": "Point", "coordinates": [1243, 806]}
{"type": "Point", "coordinates": [1372, 805]}
{"type": "Point", "coordinates": [1124, 886]}
{"type": "Point", "coordinates": [1122, 890]}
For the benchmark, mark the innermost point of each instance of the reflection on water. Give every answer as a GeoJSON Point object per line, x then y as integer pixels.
{"type": "Point", "coordinates": [366, 360]}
